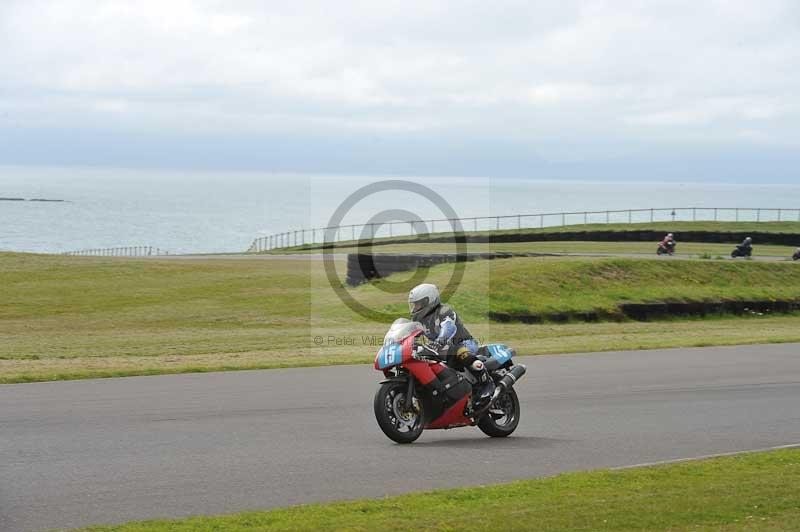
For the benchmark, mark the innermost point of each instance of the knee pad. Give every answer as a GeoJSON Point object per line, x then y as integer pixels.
{"type": "Point", "coordinates": [462, 354]}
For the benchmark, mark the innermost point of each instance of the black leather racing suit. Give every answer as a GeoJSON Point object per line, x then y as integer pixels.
{"type": "Point", "coordinates": [746, 248]}
{"type": "Point", "coordinates": [443, 325]}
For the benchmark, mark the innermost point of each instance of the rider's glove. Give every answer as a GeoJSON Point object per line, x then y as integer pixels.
{"type": "Point", "coordinates": [429, 351]}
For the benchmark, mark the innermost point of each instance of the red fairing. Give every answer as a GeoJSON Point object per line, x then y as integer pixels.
{"type": "Point", "coordinates": [438, 368]}
{"type": "Point", "coordinates": [422, 370]}
{"type": "Point", "coordinates": [408, 346]}
{"type": "Point", "coordinates": [452, 417]}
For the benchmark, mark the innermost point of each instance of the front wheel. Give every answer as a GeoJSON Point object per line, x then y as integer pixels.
{"type": "Point", "coordinates": [502, 419]}
{"type": "Point", "coordinates": [399, 423]}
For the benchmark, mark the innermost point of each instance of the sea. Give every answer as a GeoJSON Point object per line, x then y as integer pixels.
{"type": "Point", "coordinates": [217, 212]}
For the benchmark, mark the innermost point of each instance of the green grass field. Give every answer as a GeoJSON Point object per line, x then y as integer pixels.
{"type": "Point", "coordinates": [748, 492]}
{"type": "Point", "coordinates": [78, 317]}
{"type": "Point", "coordinates": [531, 285]}
{"type": "Point", "coordinates": [548, 285]}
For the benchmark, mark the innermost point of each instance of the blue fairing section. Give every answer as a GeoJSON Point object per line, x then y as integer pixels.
{"type": "Point", "coordinates": [390, 355]}
{"type": "Point", "coordinates": [501, 353]}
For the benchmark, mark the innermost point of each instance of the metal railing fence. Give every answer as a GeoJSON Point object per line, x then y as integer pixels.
{"type": "Point", "coordinates": [125, 251]}
{"type": "Point", "coordinates": [355, 232]}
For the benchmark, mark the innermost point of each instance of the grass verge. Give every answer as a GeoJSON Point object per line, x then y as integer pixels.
{"type": "Point", "coordinates": [80, 317]}
{"type": "Point", "coordinates": [755, 491]}
{"type": "Point", "coordinates": [565, 286]}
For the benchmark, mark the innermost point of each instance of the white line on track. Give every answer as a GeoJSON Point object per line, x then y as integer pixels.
{"type": "Point", "coordinates": [708, 456]}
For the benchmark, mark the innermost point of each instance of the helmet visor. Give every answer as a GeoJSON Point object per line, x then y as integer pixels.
{"type": "Point", "coordinates": [416, 306]}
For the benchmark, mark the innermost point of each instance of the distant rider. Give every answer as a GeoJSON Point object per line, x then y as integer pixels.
{"type": "Point", "coordinates": [444, 328]}
{"type": "Point", "coordinates": [796, 255]}
{"type": "Point", "coordinates": [747, 245]}
{"type": "Point", "coordinates": [745, 249]}
{"type": "Point", "coordinates": [668, 241]}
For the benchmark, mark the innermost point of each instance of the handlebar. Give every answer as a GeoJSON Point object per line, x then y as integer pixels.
{"type": "Point", "coordinates": [423, 352]}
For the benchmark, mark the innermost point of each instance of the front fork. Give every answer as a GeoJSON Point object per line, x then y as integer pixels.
{"type": "Point", "coordinates": [408, 402]}
{"type": "Point", "coordinates": [422, 372]}
{"type": "Point", "coordinates": [410, 392]}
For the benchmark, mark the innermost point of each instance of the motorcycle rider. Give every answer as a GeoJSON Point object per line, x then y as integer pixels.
{"type": "Point", "coordinates": [796, 255]}
{"type": "Point", "coordinates": [668, 242]}
{"type": "Point", "coordinates": [444, 328]}
{"type": "Point", "coordinates": [746, 247]}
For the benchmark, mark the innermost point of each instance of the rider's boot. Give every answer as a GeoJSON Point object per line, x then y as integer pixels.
{"type": "Point", "coordinates": [485, 387]}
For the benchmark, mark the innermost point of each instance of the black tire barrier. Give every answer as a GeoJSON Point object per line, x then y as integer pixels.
{"type": "Point", "coordinates": [362, 267]}
{"type": "Point", "coordinates": [656, 311]}
{"type": "Point", "coordinates": [708, 237]}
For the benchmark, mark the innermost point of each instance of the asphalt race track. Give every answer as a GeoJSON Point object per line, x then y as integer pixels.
{"type": "Point", "coordinates": [101, 451]}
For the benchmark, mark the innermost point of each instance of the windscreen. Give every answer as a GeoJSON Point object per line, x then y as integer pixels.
{"type": "Point", "coordinates": [400, 329]}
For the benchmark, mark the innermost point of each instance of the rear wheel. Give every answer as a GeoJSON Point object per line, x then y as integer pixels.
{"type": "Point", "coordinates": [502, 419]}
{"type": "Point", "coordinates": [399, 423]}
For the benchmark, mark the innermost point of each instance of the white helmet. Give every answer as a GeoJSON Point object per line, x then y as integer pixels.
{"type": "Point", "coordinates": [669, 235]}
{"type": "Point", "coordinates": [422, 300]}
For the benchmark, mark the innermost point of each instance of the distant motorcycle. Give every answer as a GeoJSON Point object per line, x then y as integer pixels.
{"type": "Point", "coordinates": [422, 392]}
{"type": "Point", "coordinates": [667, 248]}
{"type": "Point", "coordinates": [742, 251]}
{"type": "Point", "coordinates": [796, 255]}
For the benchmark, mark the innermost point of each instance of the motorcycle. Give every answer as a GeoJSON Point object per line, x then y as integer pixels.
{"type": "Point", "coordinates": [422, 392]}
{"type": "Point", "coordinates": [666, 248]}
{"type": "Point", "coordinates": [741, 251]}
{"type": "Point", "coordinates": [796, 255]}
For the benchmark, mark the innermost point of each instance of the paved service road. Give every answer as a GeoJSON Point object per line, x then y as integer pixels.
{"type": "Point", "coordinates": [83, 452]}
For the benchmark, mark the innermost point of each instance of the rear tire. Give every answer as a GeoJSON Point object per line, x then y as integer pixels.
{"type": "Point", "coordinates": [502, 419]}
{"type": "Point", "coordinates": [397, 423]}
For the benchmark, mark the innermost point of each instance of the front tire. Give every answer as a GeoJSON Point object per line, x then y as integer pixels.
{"type": "Point", "coordinates": [502, 419]}
{"type": "Point", "coordinates": [397, 422]}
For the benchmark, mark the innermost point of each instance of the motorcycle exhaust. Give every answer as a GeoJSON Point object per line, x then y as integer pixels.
{"type": "Point", "coordinates": [508, 380]}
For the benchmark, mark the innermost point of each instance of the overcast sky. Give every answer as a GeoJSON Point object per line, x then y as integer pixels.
{"type": "Point", "coordinates": [685, 90]}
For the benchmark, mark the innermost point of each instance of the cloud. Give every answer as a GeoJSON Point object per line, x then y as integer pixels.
{"type": "Point", "coordinates": [584, 73]}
